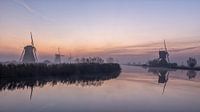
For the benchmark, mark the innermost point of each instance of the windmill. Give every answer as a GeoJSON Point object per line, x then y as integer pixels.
{"type": "Point", "coordinates": [58, 57]}
{"type": "Point", "coordinates": [163, 56]}
{"type": "Point", "coordinates": [29, 53]}
{"type": "Point", "coordinates": [70, 58]}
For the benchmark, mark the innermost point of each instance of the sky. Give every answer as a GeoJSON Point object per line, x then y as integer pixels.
{"type": "Point", "coordinates": [129, 30]}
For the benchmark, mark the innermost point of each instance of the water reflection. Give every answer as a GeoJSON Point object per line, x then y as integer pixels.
{"type": "Point", "coordinates": [40, 81]}
{"type": "Point", "coordinates": [191, 74]}
{"type": "Point", "coordinates": [163, 75]}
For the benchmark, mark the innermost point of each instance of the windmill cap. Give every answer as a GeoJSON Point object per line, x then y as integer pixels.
{"type": "Point", "coordinates": [28, 47]}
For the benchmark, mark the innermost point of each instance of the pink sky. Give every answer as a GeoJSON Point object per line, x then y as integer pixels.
{"type": "Point", "coordinates": [128, 30]}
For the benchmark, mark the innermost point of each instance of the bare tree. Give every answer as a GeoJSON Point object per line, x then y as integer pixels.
{"type": "Point", "coordinates": [192, 62]}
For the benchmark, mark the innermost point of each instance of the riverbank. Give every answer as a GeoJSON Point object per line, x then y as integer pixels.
{"type": "Point", "coordinates": [169, 67]}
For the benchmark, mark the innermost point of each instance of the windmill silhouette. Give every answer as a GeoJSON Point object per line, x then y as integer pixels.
{"type": "Point", "coordinates": [29, 53]}
{"type": "Point", "coordinates": [164, 56]}
{"type": "Point", "coordinates": [70, 58]}
{"type": "Point", "coordinates": [58, 57]}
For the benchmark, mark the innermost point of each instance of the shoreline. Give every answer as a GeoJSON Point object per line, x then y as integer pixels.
{"type": "Point", "coordinates": [165, 67]}
{"type": "Point", "coordinates": [41, 69]}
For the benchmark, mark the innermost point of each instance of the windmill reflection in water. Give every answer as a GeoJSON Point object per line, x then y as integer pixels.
{"type": "Point", "coordinates": [163, 75]}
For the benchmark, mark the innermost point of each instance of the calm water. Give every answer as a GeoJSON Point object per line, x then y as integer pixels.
{"type": "Point", "coordinates": [135, 89]}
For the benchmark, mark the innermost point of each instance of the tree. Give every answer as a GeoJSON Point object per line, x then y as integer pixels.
{"type": "Point", "coordinates": [192, 62]}
{"type": "Point", "coordinates": [110, 60]}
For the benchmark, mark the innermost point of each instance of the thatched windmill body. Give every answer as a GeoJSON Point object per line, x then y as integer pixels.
{"type": "Point", "coordinates": [29, 53]}
{"type": "Point", "coordinates": [164, 55]}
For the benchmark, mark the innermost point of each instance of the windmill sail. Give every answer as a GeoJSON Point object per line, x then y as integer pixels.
{"type": "Point", "coordinates": [32, 43]}
{"type": "Point", "coordinates": [165, 46]}
{"type": "Point", "coordinates": [164, 87]}
{"type": "Point", "coordinates": [31, 94]}
{"type": "Point", "coordinates": [21, 56]}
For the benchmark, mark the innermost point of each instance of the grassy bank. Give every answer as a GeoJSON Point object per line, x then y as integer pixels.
{"type": "Point", "coordinates": [170, 67]}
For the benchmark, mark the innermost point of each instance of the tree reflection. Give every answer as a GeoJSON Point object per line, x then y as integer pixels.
{"type": "Point", "coordinates": [40, 81]}
{"type": "Point", "coordinates": [191, 74]}
{"type": "Point", "coordinates": [14, 83]}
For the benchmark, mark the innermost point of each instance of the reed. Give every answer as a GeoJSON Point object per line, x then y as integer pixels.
{"type": "Point", "coordinates": [41, 69]}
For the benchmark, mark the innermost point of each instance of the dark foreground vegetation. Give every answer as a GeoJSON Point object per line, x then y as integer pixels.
{"type": "Point", "coordinates": [33, 75]}
{"type": "Point", "coordinates": [34, 70]}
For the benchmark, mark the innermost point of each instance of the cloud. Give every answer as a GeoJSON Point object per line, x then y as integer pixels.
{"type": "Point", "coordinates": [148, 48]}
{"type": "Point", "coordinates": [31, 10]}
{"type": "Point", "coordinates": [184, 49]}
